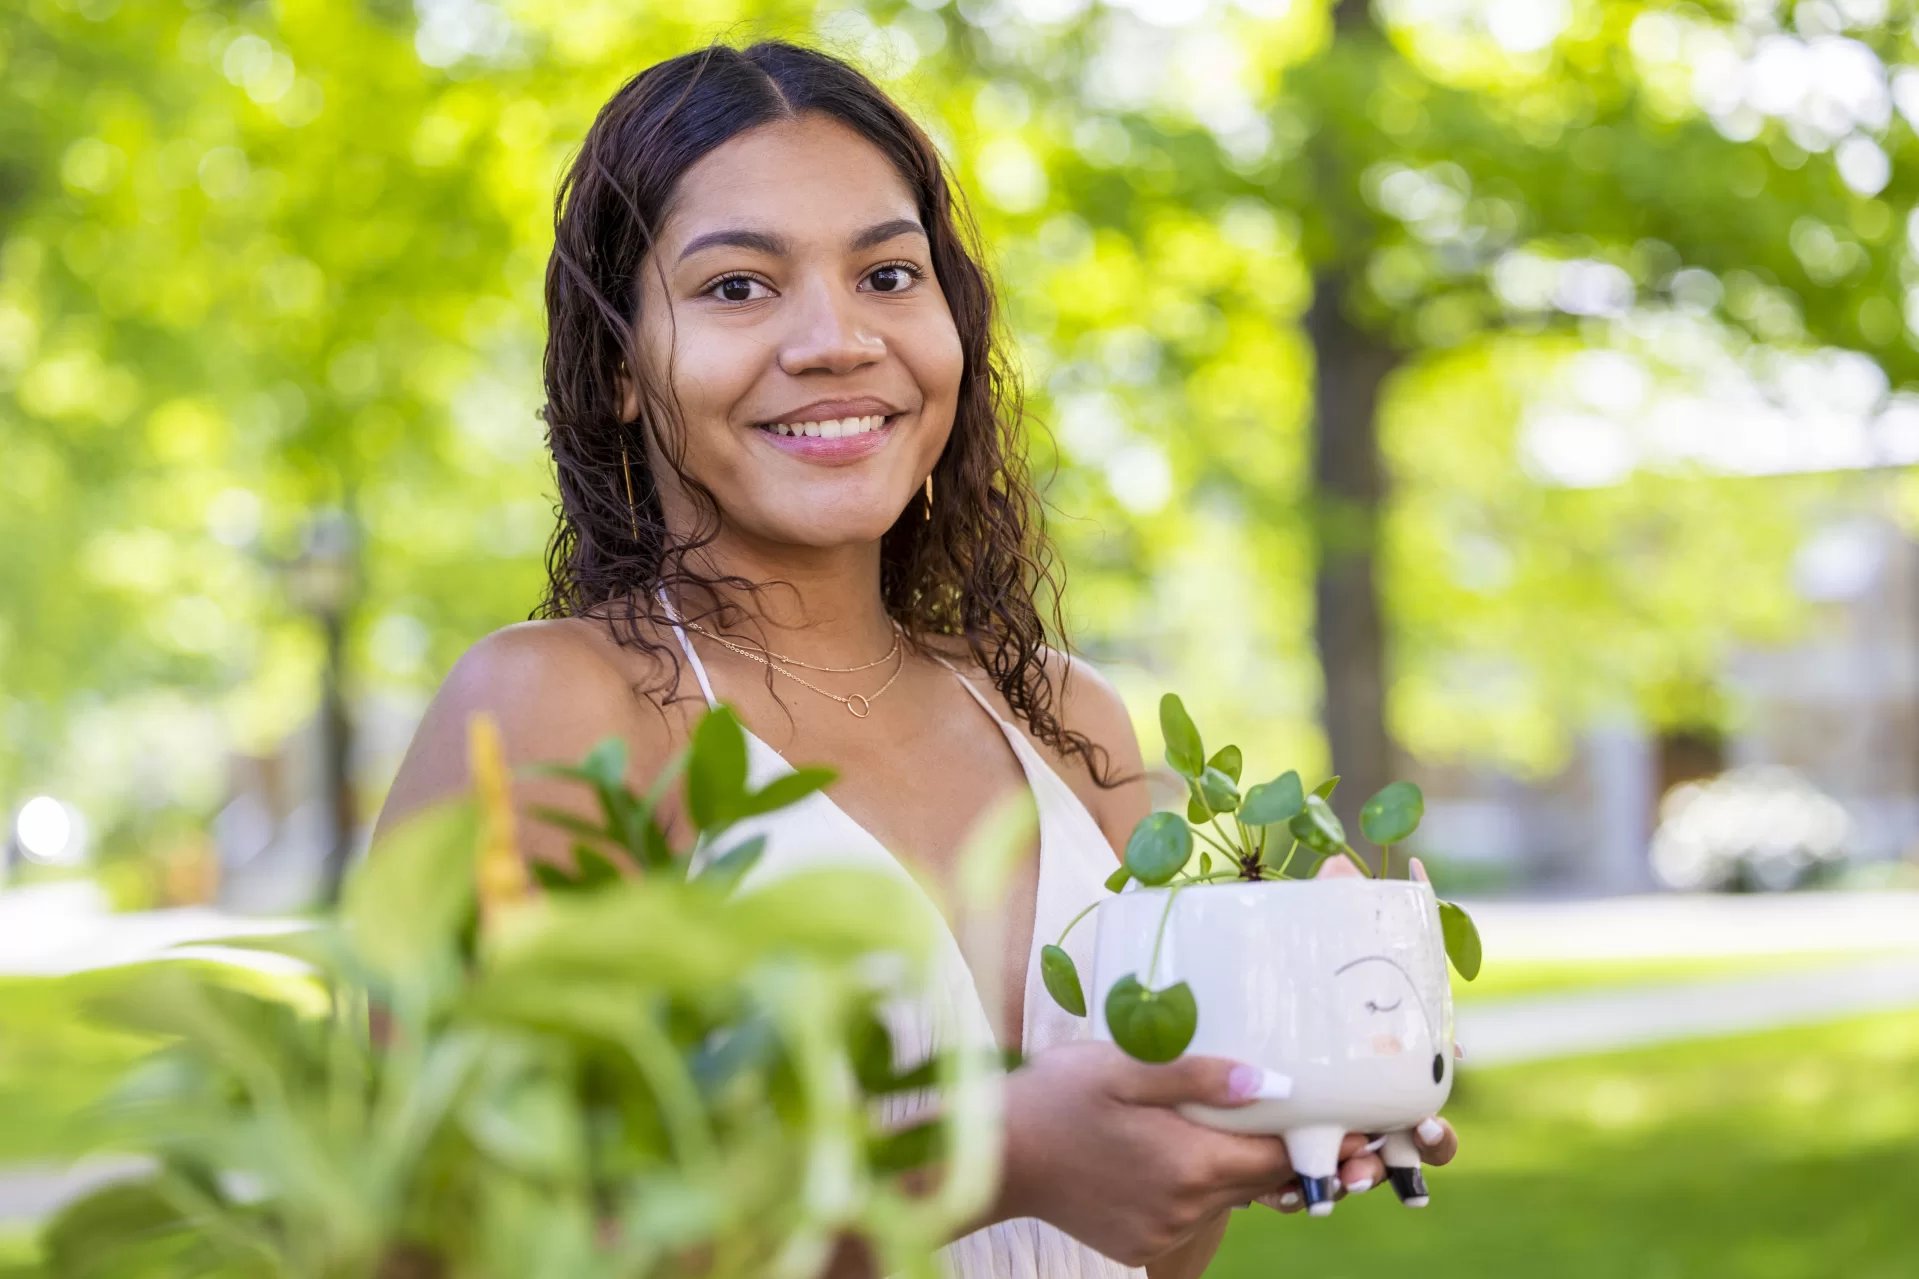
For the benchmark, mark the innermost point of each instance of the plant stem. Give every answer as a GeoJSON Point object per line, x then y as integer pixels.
{"type": "Point", "coordinates": [1201, 832]}
{"type": "Point", "coordinates": [1069, 928]}
{"type": "Point", "coordinates": [1152, 965]}
{"type": "Point", "coordinates": [1358, 861]}
{"type": "Point", "coordinates": [1289, 859]}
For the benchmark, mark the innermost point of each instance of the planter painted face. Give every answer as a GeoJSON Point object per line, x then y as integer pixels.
{"type": "Point", "coordinates": [1338, 985]}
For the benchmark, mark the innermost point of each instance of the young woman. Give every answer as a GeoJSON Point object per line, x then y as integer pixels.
{"type": "Point", "coordinates": [792, 478]}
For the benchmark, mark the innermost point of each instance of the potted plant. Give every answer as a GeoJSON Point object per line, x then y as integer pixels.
{"type": "Point", "coordinates": [626, 1075]}
{"type": "Point", "coordinates": [1222, 938]}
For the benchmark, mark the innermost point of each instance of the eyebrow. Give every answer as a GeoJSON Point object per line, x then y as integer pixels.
{"type": "Point", "coordinates": [776, 246]}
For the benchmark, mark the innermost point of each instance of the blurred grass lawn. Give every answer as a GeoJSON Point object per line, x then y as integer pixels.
{"type": "Point", "coordinates": [1792, 1154]}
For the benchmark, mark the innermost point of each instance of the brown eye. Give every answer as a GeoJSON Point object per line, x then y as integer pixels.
{"type": "Point", "coordinates": [737, 289]}
{"type": "Point", "coordinates": [896, 278]}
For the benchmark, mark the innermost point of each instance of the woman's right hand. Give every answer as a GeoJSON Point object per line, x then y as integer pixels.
{"type": "Point", "coordinates": [1095, 1146]}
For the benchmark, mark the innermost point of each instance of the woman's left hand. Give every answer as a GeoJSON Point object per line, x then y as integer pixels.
{"type": "Point", "coordinates": [1437, 1143]}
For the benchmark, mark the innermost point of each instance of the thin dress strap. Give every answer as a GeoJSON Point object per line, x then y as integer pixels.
{"type": "Point", "coordinates": [699, 671]}
{"type": "Point", "coordinates": [972, 692]}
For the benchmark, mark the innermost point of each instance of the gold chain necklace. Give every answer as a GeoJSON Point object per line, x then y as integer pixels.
{"type": "Point", "coordinates": [881, 660]}
{"type": "Point", "coordinates": [771, 662]}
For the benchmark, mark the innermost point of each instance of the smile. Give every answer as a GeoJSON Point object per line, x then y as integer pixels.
{"type": "Point", "coordinates": [835, 429]}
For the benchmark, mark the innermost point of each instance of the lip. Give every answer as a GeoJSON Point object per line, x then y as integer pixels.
{"type": "Point", "coordinates": [843, 451]}
{"type": "Point", "coordinates": [833, 410]}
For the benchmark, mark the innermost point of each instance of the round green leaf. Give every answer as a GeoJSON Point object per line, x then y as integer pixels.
{"type": "Point", "coordinates": [1462, 939]}
{"type": "Point", "coordinates": [1159, 846]}
{"type": "Point", "coordinates": [1393, 814]}
{"type": "Point", "coordinates": [1183, 750]}
{"type": "Point", "coordinates": [1221, 795]}
{"type": "Point", "coordinates": [1057, 970]}
{"type": "Point", "coordinates": [1317, 826]}
{"type": "Point", "coordinates": [1227, 760]}
{"type": "Point", "coordinates": [1117, 880]}
{"type": "Point", "coordinates": [1151, 1025]}
{"type": "Point", "coordinates": [1276, 801]}
{"type": "Point", "coordinates": [1196, 811]}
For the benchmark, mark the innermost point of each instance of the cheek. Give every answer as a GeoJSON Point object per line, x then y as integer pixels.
{"type": "Point", "coordinates": [933, 353]}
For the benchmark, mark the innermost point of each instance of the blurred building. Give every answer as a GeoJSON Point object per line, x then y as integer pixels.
{"type": "Point", "coordinates": [1840, 708]}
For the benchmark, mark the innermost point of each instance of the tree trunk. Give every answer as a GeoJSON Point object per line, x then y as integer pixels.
{"type": "Point", "coordinates": [1349, 479]}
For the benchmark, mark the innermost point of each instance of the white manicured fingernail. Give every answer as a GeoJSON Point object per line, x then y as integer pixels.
{"type": "Point", "coordinates": [1431, 1131]}
{"type": "Point", "coordinates": [1290, 1199]}
{"type": "Point", "coordinates": [1372, 1145]}
{"type": "Point", "coordinates": [1251, 1083]}
{"type": "Point", "coordinates": [1459, 1050]}
{"type": "Point", "coordinates": [1359, 1187]}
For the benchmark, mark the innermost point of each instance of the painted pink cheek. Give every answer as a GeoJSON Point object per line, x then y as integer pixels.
{"type": "Point", "coordinates": [1387, 1046]}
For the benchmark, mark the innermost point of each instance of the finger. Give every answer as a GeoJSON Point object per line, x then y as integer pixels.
{"type": "Point", "coordinates": [1209, 1081]}
{"type": "Point", "coordinates": [1419, 872]}
{"type": "Point", "coordinates": [1437, 1141]}
{"type": "Point", "coordinates": [1459, 1051]}
{"type": "Point", "coordinates": [1285, 1199]}
{"type": "Point", "coordinates": [1355, 1144]}
{"type": "Point", "coordinates": [1357, 1176]}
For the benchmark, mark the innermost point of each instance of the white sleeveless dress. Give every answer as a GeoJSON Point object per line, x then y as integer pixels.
{"type": "Point", "coordinates": [1074, 861]}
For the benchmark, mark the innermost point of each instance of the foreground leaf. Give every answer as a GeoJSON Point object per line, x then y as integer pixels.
{"type": "Point", "coordinates": [716, 769]}
{"type": "Point", "coordinates": [1462, 939]}
{"type": "Point", "coordinates": [1159, 847]}
{"type": "Point", "coordinates": [1183, 749]}
{"type": "Point", "coordinates": [1117, 880]}
{"type": "Point", "coordinates": [1151, 1025]}
{"type": "Point", "coordinates": [1326, 788]}
{"type": "Point", "coordinates": [1057, 970]}
{"type": "Point", "coordinates": [1393, 814]}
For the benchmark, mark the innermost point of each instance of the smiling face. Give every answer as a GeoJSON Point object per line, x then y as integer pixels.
{"type": "Point", "coordinates": [791, 303]}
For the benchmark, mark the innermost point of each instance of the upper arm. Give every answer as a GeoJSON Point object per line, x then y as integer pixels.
{"type": "Point", "coordinates": [1089, 704]}
{"type": "Point", "coordinates": [554, 697]}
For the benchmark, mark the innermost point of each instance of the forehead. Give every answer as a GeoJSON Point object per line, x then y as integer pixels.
{"type": "Point", "coordinates": [806, 177]}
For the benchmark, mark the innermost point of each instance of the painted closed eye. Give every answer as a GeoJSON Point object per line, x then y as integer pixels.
{"type": "Point", "coordinates": [1372, 1007]}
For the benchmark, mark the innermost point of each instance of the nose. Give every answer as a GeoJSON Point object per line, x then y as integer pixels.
{"type": "Point", "coordinates": [827, 334]}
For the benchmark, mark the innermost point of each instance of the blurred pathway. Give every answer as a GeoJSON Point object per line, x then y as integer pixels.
{"type": "Point", "coordinates": [1499, 1032]}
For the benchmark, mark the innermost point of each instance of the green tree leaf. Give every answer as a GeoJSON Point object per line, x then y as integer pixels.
{"type": "Point", "coordinates": [1183, 749]}
{"type": "Point", "coordinates": [716, 770]}
{"type": "Point", "coordinates": [606, 762]}
{"type": "Point", "coordinates": [1227, 760]}
{"type": "Point", "coordinates": [1061, 975]}
{"type": "Point", "coordinates": [1272, 802]}
{"type": "Point", "coordinates": [1159, 847]}
{"type": "Point", "coordinates": [1462, 939]}
{"type": "Point", "coordinates": [1392, 814]}
{"type": "Point", "coordinates": [1151, 1025]}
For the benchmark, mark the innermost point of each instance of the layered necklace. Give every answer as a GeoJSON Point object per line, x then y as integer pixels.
{"type": "Point", "coordinates": [859, 705]}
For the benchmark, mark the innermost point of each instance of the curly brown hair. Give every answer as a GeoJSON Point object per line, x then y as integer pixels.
{"type": "Point", "coordinates": [980, 569]}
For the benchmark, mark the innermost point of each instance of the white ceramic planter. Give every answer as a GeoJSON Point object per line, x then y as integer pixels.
{"type": "Point", "coordinates": [1338, 985]}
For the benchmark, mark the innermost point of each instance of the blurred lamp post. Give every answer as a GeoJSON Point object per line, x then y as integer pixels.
{"type": "Point", "coordinates": [323, 581]}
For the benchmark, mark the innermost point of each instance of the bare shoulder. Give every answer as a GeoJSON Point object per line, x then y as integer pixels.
{"type": "Point", "coordinates": [555, 688]}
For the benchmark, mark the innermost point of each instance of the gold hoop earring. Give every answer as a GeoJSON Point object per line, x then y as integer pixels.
{"type": "Point", "coordinates": [632, 519]}
{"type": "Point", "coordinates": [929, 495]}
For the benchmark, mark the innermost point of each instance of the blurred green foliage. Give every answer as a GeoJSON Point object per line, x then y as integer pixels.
{"type": "Point", "coordinates": [1786, 1155]}
{"type": "Point", "coordinates": [263, 260]}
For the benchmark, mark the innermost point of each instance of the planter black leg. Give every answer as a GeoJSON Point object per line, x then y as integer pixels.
{"type": "Point", "coordinates": [1318, 1194]}
{"type": "Point", "coordinates": [1402, 1169]}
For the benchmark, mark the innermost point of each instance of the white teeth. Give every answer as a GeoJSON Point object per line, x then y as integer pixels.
{"type": "Point", "coordinates": [837, 429]}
